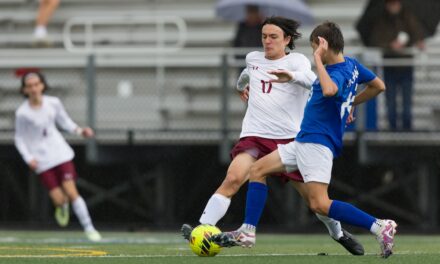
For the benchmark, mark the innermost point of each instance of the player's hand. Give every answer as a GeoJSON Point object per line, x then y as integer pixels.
{"type": "Point", "coordinates": [87, 132]}
{"type": "Point", "coordinates": [351, 118]}
{"type": "Point", "coordinates": [33, 164]}
{"type": "Point", "coordinates": [283, 76]}
{"type": "Point", "coordinates": [322, 47]}
{"type": "Point", "coordinates": [244, 96]}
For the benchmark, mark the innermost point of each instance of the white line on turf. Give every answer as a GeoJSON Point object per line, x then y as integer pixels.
{"type": "Point", "coordinates": [247, 255]}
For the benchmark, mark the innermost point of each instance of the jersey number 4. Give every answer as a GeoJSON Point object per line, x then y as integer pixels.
{"type": "Point", "coordinates": [263, 86]}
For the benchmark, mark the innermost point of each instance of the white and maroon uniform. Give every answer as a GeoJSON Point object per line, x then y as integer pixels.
{"type": "Point", "coordinates": [37, 136]}
{"type": "Point", "coordinates": [275, 110]}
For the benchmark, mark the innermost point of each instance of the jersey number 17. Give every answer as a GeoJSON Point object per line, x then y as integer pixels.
{"type": "Point", "coordinates": [263, 86]}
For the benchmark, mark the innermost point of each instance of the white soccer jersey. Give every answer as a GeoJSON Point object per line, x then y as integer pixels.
{"type": "Point", "coordinates": [275, 110]}
{"type": "Point", "coordinates": [37, 136]}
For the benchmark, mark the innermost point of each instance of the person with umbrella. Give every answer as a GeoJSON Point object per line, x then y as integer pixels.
{"type": "Point", "coordinates": [248, 34]}
{"type": "Point", "coordinates": [395, 30]}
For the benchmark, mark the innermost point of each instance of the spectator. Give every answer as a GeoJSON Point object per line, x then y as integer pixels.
{"type": "Point", "coordinates": [45, 11]}
{"type": "Point", "coordinates": [394, 31]}
{"type": "Point", "coordinates": [249, 31]}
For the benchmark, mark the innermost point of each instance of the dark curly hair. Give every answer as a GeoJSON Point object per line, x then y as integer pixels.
{"type": "Point", "coordinates": [289, 27]}
{"type": "Point", "coordinates": [29, 74]}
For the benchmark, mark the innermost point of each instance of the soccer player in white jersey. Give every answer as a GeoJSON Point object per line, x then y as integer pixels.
{"type": "Point", "coordinates": [279, 84]}
{"type": "Point", "coordinates": [46, 152]}
{"type": "Point", "coordinates": [318, 142]}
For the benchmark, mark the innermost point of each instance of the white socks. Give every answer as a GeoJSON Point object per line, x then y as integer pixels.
{"type": "Point", "coordinates": [376, 227]}
{"type": "Point", "coordinates": [215, 209]}
{"type": "Point", "coordinates": [248, 228]}
{"type": "Point", "coordinates": [40, 32]}
{"type": "Point", "coordinates": [333, 226]}
{"type": "Point", "coordinates": [80, 209]}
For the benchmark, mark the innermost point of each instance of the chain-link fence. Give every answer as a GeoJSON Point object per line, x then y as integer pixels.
{"type": "Point", "coordinates": [184, 93]}
{"type": "Point", "coordinates": [188, 98]}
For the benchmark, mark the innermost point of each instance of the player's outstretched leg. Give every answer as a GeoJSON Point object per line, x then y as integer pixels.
{"type": "Point", "coordinates": [244, 237]}
{"type": "Point", "coordinates": [385, 236]}
{"type": "Point", "coordinates": [82, 213]}
{"type": "Point", "coordinates": [186, 230]}
{"type": "Point", "coordinates": [383, 229]}
{"type": "Point", "coordinates": [350, 243]}
{"type": "Point", "coordinates": [347, 240]}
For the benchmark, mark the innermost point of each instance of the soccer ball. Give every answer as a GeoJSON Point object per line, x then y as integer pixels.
{"type": "Point", "coordinates": [199, 241]}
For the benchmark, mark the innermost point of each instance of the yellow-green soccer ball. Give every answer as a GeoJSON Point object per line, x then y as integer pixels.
{"type": "Point", "coordinates": [199, 241]}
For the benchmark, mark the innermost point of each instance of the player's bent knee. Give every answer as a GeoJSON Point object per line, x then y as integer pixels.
{"type": "Point", "coordinates": [256, 173]}
{"type": "Point", "coordinates": [318, 207]}
{"type": "Point", "coordinates": [58, 201]}
{"type": "Point", "coordinates": [232, 183]}
{"type": "Point", "coordinates": [72, 196]}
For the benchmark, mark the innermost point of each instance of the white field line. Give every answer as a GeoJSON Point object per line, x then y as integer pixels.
{"type": "Point", "coordinates": [222, 255]}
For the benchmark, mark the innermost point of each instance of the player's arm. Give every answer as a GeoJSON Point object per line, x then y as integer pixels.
{"type": "Point", "coordinates": [20, 133]}
{"type": "Point", "coordinates": [303, 75]}
{"type": "Point", "coordinates": [372, 89]}
{"type": "Point", "coordinates": [242, 86]}
{"type": "Point", "coordinates": [329, 88]}
{"type": "Point", "coordinates": [66, 123]}
{"type": "Point", "coordinates": [304, 78]}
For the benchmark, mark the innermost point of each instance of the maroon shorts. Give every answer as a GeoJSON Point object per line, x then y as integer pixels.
{"type": "Point", "coordinates": [53, 177]}
{"type": "Point", "coordinates": [259, 147]}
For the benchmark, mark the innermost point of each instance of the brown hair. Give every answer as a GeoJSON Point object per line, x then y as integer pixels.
{"type": "Point", "coordinates": [30, 74]}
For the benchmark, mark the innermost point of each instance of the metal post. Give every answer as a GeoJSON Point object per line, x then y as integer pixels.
{"type": "Point", "coordinates": [33, 197]}
{"type": "Point", "coordinates": [423, 203]}
{"type": "Point", "coordinates": [368, 57]}
{"type": "Point", "coordinates": [224, 118]}
{"type": "Point", "coordinates": [360, 130]}
{"type": "Point", "coordinates": [428, 204]}
{"type": "Point", "coordinates": [433, 196]}
{"type": "Point", "coordinates": [91, 146]}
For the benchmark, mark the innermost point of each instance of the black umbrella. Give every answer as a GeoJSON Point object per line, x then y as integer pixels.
{"type": "Point", "coordinates": [426, 11]}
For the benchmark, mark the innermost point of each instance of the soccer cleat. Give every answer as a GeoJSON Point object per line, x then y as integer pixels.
{"type": "Point", "coordinates": [186, 231]}
{"type": "Point", "coordinates": [386, 237]}
{"type": "Point", "coordinates": [350, 243]}
{"type": "Point", "coordinates": [93, 235]}
{"type": "Point", "coordinates": [62, 215]}
{"type": "Point", "coordinates": [235, 238]}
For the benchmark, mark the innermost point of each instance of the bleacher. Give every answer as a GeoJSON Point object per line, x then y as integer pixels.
{"type": "Point", "coordinates": [188, 97]}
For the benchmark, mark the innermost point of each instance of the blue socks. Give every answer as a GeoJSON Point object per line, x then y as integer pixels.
{"type": "Point", "coordinates": [349, 214]}
{"type": "Point", "coordinates": [341, 211]}
{"type": "Point", "coordinates": [255, 201]}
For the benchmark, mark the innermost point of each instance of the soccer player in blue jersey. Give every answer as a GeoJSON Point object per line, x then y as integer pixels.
{"type": "Point", "coordinates": [328, 110]}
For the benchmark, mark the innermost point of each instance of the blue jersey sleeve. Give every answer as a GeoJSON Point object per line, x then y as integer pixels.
{"type": "Point", "coordinates": [338, 79]}
{"type": "Point", "coordinates": [365, 75]}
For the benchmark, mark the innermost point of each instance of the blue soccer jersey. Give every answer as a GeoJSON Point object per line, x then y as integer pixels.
{"type": "Point", "coordinates": [325, 117]}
